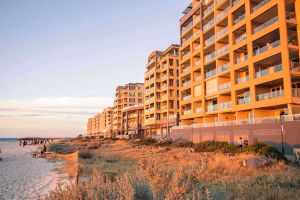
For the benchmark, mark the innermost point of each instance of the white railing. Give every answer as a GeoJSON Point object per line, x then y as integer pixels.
{"type": "Point", "coordinates": [295, 66]}
{"type": "Point", "coordinates": [222, 50]}
{"type": "Point", "coordinates": [210, 57]}
{"type": "Point", "coordinates": [222, 32]}
{"type": "Point", "coordinates": [208, 25]}
{"type": "Point", "coordinates": [198, 78]}
{"type": "Point", "coordinates": [185, 98]}
{"type": "Point", "coordinates": [187, 112]}
{"type": "Point", "coordinates": [242, 79]}
{"type": "Point", "coordinates": [225, 86]}
{"type": "Point", "coordinates": [186, 69]}
{"type": "Point", "coordinates": [198, 63]}
{"type": "Point", "coordinates": [244, 100]}
{"type": "Point", "coordinates": [186, 55]}
{"type": "Point", "coordinates": [210, 73]}
{"type": "Point", "coordinates": [212, 108]}
{"type": "Point", "coordinates": [187, 40]}
{"type": "Point", "coordinates": [266, 24]}
{"type": "Point", "coordinates": [240, 18]}
{"type": "Point", "coordinates": [207, 10]}
{"type": "Point", "coordinates": [210, 40]}
{"type": "Point", "coordinates": [198, 110]}
{"type": "Point", "coordinates": [265, 48]}
{"type": "Point", "coordinates": [270, 95]}
{"type": "Point", "coordinates": [269, 70]}
{"type": "Point", "coordinates": [240, 38]}
{"type": "Point", "coordinates": [210, 91]}
{"type": "Point", "coordinates": [261, 4]}
{"type": "Point", "coordinates": [241, 59]}
{"type": "Point", "coordinates": [225, 105]}
{"type": "Point", "coordinates": [222, 14]}
{"type": "Point", "coordinates": [223, 68]}
{"type": "Point", "coordinates": [187, 83]}
{"type": "Point", "coordinates": [187, 28]}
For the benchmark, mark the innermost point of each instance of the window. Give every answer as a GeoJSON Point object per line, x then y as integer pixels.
{"type": "Point", "coordinates": [171, 61]}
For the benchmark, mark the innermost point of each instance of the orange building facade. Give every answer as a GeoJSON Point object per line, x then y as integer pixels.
{"type": "Point", "coordinates": [128, 95]}
{"type": "Point", "coordinates": [101, 124]}
{"type": "Point", "coordinates": [133, 121]}
{"type": "Point", "coordinates": [239, 61]}
{"type": "Point", "coordinates": [162, 92]}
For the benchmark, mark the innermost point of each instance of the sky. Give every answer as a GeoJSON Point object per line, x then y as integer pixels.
{"type": "Point", "coordinates": [60, 60]}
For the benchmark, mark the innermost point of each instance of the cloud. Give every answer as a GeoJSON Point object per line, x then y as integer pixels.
{"type": "Point", "coordinates": [37, 116]}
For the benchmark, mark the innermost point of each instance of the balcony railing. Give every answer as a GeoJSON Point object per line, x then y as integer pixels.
{"type": "Point", "coordinates": [242, 79]}
{"type": "Point", "coordinates": [187, 28]}
{"type": "Point", "coordinates": [187, 83]}
{"type": "Point", "coordinates": [235, 2]}
{"type": "Point", "coordinates": [164, 96]}
{"type": "Point", "coordinates": [197, 19]}
{"type": "Point", "coordinates": [223, 68]}
{"type": "Point", "coordinates": [187, 41]}
{"type": "Point", "coordinates": [150, 71]}
{"type": "Point", "coordinates": [222, 32]}
{"type": "Point", "coordinates": [207, 10]}
{"type": "Point", "coordinates": [222, 50]}
{"type": "Point", "coordinates": [270, 95]}
{"type": "Point", "coordinates": [240, 18]}
{"type": "Point", "coordinates": [210, 57]}
{"type": "Point", "coordinates": [268, 71]}
{"type": "Point", "coordinates": [261, 4]}
{"type": "Point", "coordinates": [210, 40]}
{"type": "Point", "coordinates": [186, 69]}
{"type": "Point", "coordinates": [296, 92]}
{"type": "Point", "coordinates": [186, 55]}
{"type": "Point", "coordinates": [208, 25]}
{"type": "Point", "coordinates": [198, 63]}
{"type": "Point", "coordinates": [225, 86]}
{"type": "Point", "coordinates": [295, 66]}
{"type": "Point", "coordinates": [240, 38]}
{"type": "Point", "coordinates": [198, 110]}
{"type": "Point", "coordinates": [266, 24]}
{"type": "Point", "coordinates": [222, 14]}
{"type": "Point", "coordinates": [197, 47]}
{"type": "Point", "coordinates": [198, 78]}
{"type": "Point", "coordinates": [210, 73]}
{"type": "Point", "coordinates": [244, 100]}
{"type": "Point", "coordinates": [186, 98]}
{"type": "Point", "coordinates": [241, 59]}
{"type": "Point", "coordinates": [225, 105]}
{"type": "Point", "coordinates": [261, 50]}
{"type": "Point", "coordinates": [187, 112]}
{"type": "Point", "coordinates": [212, 108]}
{"type": "Point", "coordinates": [210, 91]}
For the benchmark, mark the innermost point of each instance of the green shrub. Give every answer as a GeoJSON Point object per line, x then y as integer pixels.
{"type": "Point", "coordinates": [60, 148]}
{"type": "Point", "coordinates": [146, 141]}
{"type": "Point", "coordinates": [85, 155]}
{"type": "Point", "coordinates": [182, 143]}
{"type": "Point", "coordinates": [225, 147]}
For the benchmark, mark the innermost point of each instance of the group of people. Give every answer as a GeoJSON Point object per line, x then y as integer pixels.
{"type": "Point", "coordinates": [34, 141]}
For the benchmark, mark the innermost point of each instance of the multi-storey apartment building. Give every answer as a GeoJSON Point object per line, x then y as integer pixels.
{"type": "Point", "coordinates": [127, 95]}
{"type": "Point", "coordinates": [239, 61]}
{"type": "Point", "coordinates": [133, 121]}
{"type": "Point", "coordinates": [161, 91]}
{"type": "Point", "coordinates": [101, 124]}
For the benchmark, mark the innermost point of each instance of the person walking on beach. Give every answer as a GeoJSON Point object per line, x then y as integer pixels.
{"type": "Point", "coordinates": [240, 142]}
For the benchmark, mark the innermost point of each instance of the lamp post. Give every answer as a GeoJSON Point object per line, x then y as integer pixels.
{"type": "Point", "coordinates": [282, 131]}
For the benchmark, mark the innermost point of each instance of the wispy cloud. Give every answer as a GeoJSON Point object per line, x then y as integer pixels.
{"type": "Point", "coordinates": [48, 114]}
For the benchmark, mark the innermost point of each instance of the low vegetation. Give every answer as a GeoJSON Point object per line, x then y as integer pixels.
{"type": "Point", "coordinates": [61, 148]}
{"type": "Point", "coordinates": [225, 147]}
{"type": "Point", "coordinates": [122, 170]}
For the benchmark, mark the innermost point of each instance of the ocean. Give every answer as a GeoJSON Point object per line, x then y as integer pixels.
{"type": "Point", "coordinates": [8, 139]}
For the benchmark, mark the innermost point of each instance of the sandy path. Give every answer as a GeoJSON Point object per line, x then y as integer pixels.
{"type": "Point", "coordinates": [22, 177]}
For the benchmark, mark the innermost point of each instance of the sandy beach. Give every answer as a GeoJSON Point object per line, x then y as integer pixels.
{"type": "Point", "coordinates": [22, 177]}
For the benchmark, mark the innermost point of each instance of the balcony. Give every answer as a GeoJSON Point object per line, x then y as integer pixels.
{"type": "Point", "coordinates": [187, 28]}
{"type": "Point", "coordinates": [261, 50]}
{"type": "Point", "coordinates": [198, 63]}
{"type": "Point", "coordinates": [187, 41]}
{"type": "Point", "coordinates": [270, 95]}
{"type": "Point", "coordinates": [198, 78]}
{"type": "Point", "coordinates": [223, 68]}
{"type": "Point", "coordinates": [210, 73]}
{"type": "Point", "coordinates": [211, 91]}
{"type": "Point", "coordinates": [186, 98]}
{"type": "Point", "coordinates": [207, 10]}
{"type": "Point", "coordinates": [222, 32]}
{"type": "Point", "coordinates": [198, 110]}
{"type": "Point", "coordinates": [186, 55]}
{"type": "Point", "coordinates": [210, 57]}
{"type": "Point", "coordinates": [295, 67]}
{"type": "Point", "coordinates": [266, 24]}
{"type": "Point", "coordinates": [208, 25]}
{"type": "Point", "coordinates": [261, 4]}
{"type": "Point", "coordinates": [241, 59]}
{"type": "Point", "coordinates": [269, 70]}
{"type": "Point", "coordinates": [164, 96]}
{"type": "Point", "coordinates": [225, 105]}
{"type": "Point", "coordinates": [235, 2]}
{"type": "Point", "coordinates": [296, 92]}
{"type": "Point", "coordinates": [197, 19]}
{"type": "Point", "coordinates": [212, 108]}
{"type": "Point", "coordinates": [242, 79]}
{"type": "Point", "coordinates": [222, 14]}
{"type": "Point", "coordinates": [186, 69]}
{"type": "Point", "coordinates": [224, 86]}
{"type": "Point", "coordinates": [187, 112]}
{"type": "Point", "coordinates": [150, 71]}
{"type": "Point", "coordinates": [240, 38]}
{"type": "Point", "coordinates": [210, 40]}
{"type": "Point", "coordinates": [150, 62]}
{"type": "Point", "coordinates": [244, 100]}
{"type": "Point", "coordinates": [240, 18]}
{"type": "Point", "coordinates": [222, 50]}
{"type": "Point", "coordinates": [187, 83]}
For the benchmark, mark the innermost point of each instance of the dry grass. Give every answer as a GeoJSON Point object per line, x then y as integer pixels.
{"type": "Point", "coordinates": [120, 170]}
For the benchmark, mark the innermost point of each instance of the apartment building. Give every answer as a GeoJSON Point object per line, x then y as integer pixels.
{"type": "Point", "coordinates": [127, 95]}
{"type": "Point", "coordinates": [239, 61]}
{"type": "Point", "coordinates": [162, 91]}
{"type": "Point", "coordinates": [101, 124]}
{"type": "Point", "coordinates": [133, 121]}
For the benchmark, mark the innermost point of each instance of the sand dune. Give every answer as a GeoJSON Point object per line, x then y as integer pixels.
{"type": "Point", "coordinates": [22, 177]}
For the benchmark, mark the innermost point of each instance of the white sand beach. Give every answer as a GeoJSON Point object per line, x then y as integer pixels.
{"type": "Point", "coordinates": [23, 177]}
